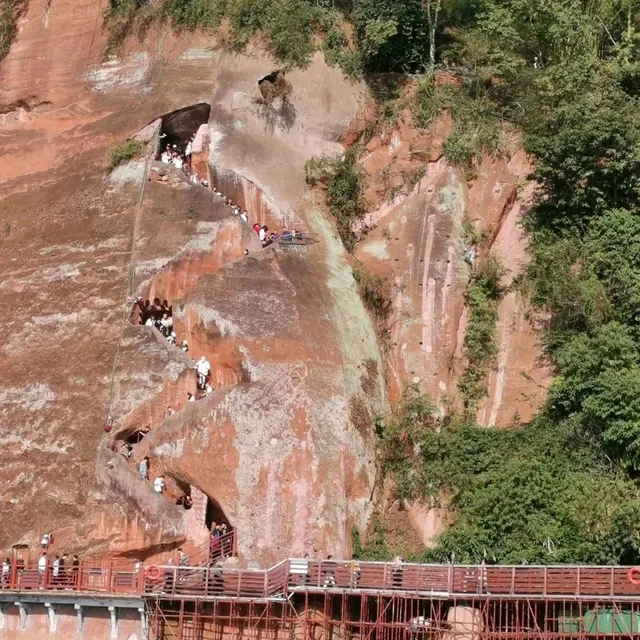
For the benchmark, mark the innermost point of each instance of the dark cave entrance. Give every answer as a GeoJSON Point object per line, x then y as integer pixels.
{"type": "Point", "coordinates": [127, 439]}
{"type": "Point", "coordinates": [179, 127]}
{"type": "Point", "coordinates": [215, 515]}
{"type": "Point", "coordinates": [136, 436]}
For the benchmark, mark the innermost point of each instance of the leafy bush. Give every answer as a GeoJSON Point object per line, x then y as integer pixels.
{"type": "Point", "coordinates": [538, 494]}
{"type": "Point", "coordinates": [337, 53]}
{"type": "Point", "coordinates": [343, 183]}
{"type": "Point", "coordinates": [374, 290]}
{"type": "Point", "coordinates": [193, 14]}
{"type": "Point", "coordinates": [319, 170]}
{"type": "Point", "coordinates": [425, 102]}
{"type": "Point", "coordinates": [10, 12]}
{"type": "Point", "coordinates": [124, 152]}
{"type": "Point", "coordinates": [476, 125]}
{"type": "Point", "coordinates": [585, 136]}
{"type": "Point", "coordinates": [290, 33]}
{"type": "Point", "coordinates": [408, 423]}
{"type": "Point", "coordinates": [480, 349]}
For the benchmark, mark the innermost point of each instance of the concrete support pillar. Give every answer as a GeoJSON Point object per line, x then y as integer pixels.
{"type": "Point", "coordinates": [143, 621]}
{"type": "Point", "coordinates": [53, 618]}
{"type": "Point", "coordinates": [1, 617]}
{"type": "Point", "coordinates": [22, 612]}
{"type": "Point", "coordinates": [79, 618]}
{"type": "Point", "coordinates": [114, 621]}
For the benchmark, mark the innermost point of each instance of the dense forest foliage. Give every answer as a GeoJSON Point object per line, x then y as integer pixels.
{"type": "Point", "coordinates": [566, 75]}
{"type": "Point", "coordinates": [564, 488]}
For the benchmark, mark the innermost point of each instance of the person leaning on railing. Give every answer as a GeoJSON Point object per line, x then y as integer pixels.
{"type": "Point", "coordinates": [6, 571]}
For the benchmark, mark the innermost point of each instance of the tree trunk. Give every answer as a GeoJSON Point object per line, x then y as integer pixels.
{"type": "Point", "coordinates": [432, 9]}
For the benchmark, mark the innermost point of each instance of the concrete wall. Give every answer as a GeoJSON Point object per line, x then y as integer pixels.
{"type": "Point", "coordinates": [96, 623]}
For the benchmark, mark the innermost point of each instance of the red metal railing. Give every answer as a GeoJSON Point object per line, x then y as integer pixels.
{"type": "Point", "coordinates": [105, 578]}
{"type": "Point", "coordinates": [472, 579]}
{"type": "Point", "coordinates": [294, 575]}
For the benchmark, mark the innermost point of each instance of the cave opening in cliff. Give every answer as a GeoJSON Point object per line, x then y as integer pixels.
{"type": "Point", "coordinates": [135, 436]}
{"type": "Point", "coordinates": [215, 515]}
{"type": "Point", "coordinates": [180, 126]}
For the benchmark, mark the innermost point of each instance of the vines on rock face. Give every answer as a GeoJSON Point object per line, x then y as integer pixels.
{"type": "Point", "coordinates": [482, 297]}
{"type": "Point", "coordinates": [343, 183]}
{"type": "Point", "coordinates": [10, 12]}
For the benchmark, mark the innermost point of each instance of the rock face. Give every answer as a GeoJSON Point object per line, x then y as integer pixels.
{"type": "Point", "coordinates": [283, 449]}
{"type": "Point", "coordinates": [274, 449]}
{"type": "Point", "coordinates": [418, 243]}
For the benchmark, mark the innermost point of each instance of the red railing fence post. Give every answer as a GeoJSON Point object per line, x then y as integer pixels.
{"type": "Point", "coordinates": [108, 585]}
{"type": "Point", "coordinates": [45, 576]}
{"type": "Point", "coordinates": [13, 575]}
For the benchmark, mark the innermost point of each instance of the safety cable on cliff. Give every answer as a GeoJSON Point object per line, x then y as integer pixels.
{"type": "Point", "coordinates": [131, 275]}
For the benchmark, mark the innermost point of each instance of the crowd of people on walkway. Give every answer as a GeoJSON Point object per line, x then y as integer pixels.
{"type": "Point", "coordinates": [159, 314]}
{"type": "Point", "coordinates": [60, 570]}
{"type": "Point", "coordinates": [179, 158]}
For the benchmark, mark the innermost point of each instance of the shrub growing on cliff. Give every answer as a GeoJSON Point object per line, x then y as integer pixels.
{"type": "Point", "coordinates": [123, 152]}
{"type": "Point", "coordinates": [541, 493]}
{"type": "Point", "coordinates": [10, 12]}
{"type": "Point", "coordinates": [400, 432]}
{"type": "Point", "coordinates": [342, 180]}
{"type": "Point", "coordinates": [480, 349]}
{"type": "Point", "coordinates": [344, 196]}
{"type": "Point", "coordinates": [374, 290]}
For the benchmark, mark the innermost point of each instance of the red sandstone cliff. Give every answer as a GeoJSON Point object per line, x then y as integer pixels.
{"type": "Point", "coordinates": [275, 448]}
{"type": "Point", "coordinates": [416, 239]}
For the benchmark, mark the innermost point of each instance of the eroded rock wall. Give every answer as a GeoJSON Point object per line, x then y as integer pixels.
{"type": "Point", "coordinates": [418, 241]}
{"type": "Point", "coordinates": [274, 447]}
{"type": "Point", "coordinates": [284, 445]}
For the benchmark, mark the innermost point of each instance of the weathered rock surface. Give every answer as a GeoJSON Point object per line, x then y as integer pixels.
{"type": "Point", "coordinates": [285, 331]}
{"type": "Point", "coordinates": [277, 448]}
{"type": "Point", "coordinates": [418, 242]}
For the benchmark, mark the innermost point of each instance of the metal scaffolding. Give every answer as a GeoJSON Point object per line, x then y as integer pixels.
{"type": "Point", "coordinates": [376, 616]}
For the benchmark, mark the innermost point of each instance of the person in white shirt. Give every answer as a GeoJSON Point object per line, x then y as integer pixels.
{"type": "Point", "coordinates": [159, 484]}
{"type": "Point", "coordinates": [42, 563]}
{"type": "Point", "coordinates": [262, 234]}
{"type": "Point", "coordinates": [45, 540]}
{"type": "Point", "coordinates": [165, 157]}
{"type": "Point", "coordinates": [166, 325]}
{"type": "Point", "coordinates": [202, 367]}
{"type": "Point", "coordinates": [56, 566]}
{"type": "Point", "coordinates": [6, 568]}
{"type": "Point", "coordinates": [244, 216]}
{"type": "Point", "coordinates": [178, 162]}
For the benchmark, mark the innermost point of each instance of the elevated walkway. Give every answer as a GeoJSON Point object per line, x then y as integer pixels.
{"type": "Point", "coordinates": [297, 575]}
{"type": "Point", "coordinates": [304, 599]}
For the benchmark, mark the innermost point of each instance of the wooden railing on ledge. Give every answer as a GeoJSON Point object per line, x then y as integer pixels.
{"type": "Point", "coordinates": [559, 582]}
